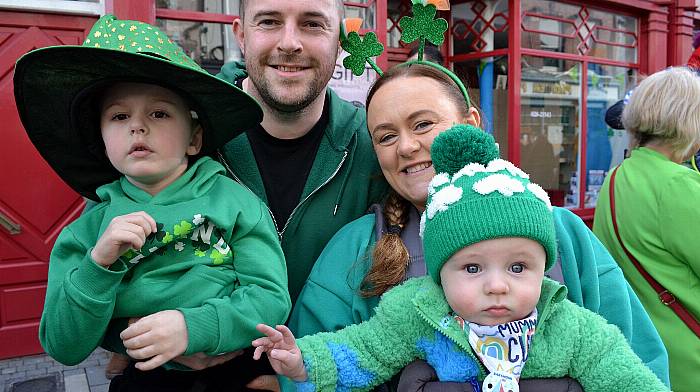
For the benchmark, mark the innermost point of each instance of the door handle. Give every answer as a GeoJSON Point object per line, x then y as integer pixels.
{"type": "Point", "coordinates": [13, 227]}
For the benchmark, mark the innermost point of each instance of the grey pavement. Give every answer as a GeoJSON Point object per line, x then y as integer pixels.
{"type": "Point", "coordinates": [37, 373]}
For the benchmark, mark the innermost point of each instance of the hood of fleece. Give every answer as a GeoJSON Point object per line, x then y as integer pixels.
{"type": "Point", "coordinates": [232, 71]}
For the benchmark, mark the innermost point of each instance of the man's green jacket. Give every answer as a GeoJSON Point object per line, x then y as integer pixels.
{"type": "Point", "coordinates": [344, 181]}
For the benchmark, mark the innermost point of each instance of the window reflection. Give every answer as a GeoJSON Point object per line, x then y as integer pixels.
{"type": "Point", "coordinates": [229, 7]}
{"type": "Point", "coordinates": [576, 29]}
{"type": "Point", "coordinates": [605, 147]}
{"type": "Point", "coordinates": [549, 118]}
{"type": "Point", "coordinates": [479, 26]}
{"type": "Point", "coordinates": [486, 79]}
{"type": "Point", "coordinates": [209, 44]}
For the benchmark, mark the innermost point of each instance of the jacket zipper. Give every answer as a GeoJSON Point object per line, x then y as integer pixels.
{"type": "Point", "coordinates": [337, 169]}
{"type": "Point", "coordinates": [238, 180]}
{"type": "Point", "coordinates": [281, 233]}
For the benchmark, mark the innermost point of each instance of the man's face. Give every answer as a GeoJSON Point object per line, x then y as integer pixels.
{"type": "Point", "coordinates": [290, 48]}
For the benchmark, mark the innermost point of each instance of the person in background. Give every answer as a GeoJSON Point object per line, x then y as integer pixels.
{"type": "Point", "coordinates": [407, 108]}
{"type": "Point", "coordinates": [485, 314]}
{"type": "Point", "coordinates": [656, 210]}
{"type": "Point", "coordinates": [174, 244]}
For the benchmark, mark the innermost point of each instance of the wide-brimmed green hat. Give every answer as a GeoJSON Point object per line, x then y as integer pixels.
{"type": "Point", "coordinates": [56, 90]}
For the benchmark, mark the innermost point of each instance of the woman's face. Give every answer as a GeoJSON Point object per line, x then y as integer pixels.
{"type": "Point", "coordinates": [403, 118]}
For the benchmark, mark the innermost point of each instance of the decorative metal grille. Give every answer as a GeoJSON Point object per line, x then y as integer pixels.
{"type": "Point", "coordinates": [583, 29]}
{"type": "Point", "coordinates": [479, 25]}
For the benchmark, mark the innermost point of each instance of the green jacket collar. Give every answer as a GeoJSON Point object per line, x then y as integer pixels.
{"type": "Point", "coordinates": [342, 115]}
{"type": "Point", "coordinates": [338, 146]}
{"type": "Point", "coordinates": [431, 304]}
{"type": "Point", "coordinates": [193, 183]}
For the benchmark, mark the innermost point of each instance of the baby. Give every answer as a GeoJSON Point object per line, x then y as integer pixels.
{"type": "Point", "coordinates": [485, 314]}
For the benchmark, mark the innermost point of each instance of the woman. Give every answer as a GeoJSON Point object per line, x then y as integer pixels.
{"type": "Point", "coordinates": [656, 210]}
{"type": "Point", "coordinates": [406, 109]}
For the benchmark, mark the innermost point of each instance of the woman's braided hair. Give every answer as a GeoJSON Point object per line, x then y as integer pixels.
{"type": "Point", "coordinates": [390, 256]}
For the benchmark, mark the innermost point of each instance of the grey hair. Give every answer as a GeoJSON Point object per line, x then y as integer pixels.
{"type": "Point", "coordinates": [339, 4]}
{"type": "Point", "coordinates": [665, 108]}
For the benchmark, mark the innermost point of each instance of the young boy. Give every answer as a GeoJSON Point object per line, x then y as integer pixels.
{"type": "Point", "coordinates": [174, 242]}
{"type": "Point", "coordinates": [485, 315]}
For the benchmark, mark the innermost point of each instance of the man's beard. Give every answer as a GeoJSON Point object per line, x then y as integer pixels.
{"type": "Point", "coordinates": [285, 105]}
{"type": "Point", "coordinates": [278, 102]}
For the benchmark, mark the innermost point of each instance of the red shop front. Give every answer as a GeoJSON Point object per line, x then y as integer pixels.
{"type": "Point", "coordinates": [543, 73]}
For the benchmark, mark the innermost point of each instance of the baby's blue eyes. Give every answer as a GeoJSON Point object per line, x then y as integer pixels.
{"type": "Point", "coordinates": [472, 268]}
{"type": "Point", "coordinates": [475, 268]}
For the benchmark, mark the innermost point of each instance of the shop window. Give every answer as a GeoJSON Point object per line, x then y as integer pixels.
{"type": "Point", "coordinates": [605, 147]}
{"type": "Point", "coordinates": [486, 80]}
{"type": "Point", "coordinates": [364, 9]}
{"type": "Point", "coordinates": [549, 131]}
{"type": "Point", "coordinates": [479, 26]}
{"type": "Point", "coordinates": [209, 44]}
{"type": "Point", "coordinates": [568, 28]}
{"type": "Point", "coordinates": [396, 9]}
{"type": "Point", "coordinates": [215, 6]}
{"type": "Point", "coordinates": [202, 28]}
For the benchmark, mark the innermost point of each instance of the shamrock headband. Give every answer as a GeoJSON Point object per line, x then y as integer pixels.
{"type": "Point", "coordinates": [421, 26]}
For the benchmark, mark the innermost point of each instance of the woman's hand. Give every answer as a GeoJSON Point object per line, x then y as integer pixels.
{"type": "Point", "coordinates": [160, 336]}
{"type": "Point", "coordinates": [282, 351]}
{"type": "Point", "coordinates": [123, 233]}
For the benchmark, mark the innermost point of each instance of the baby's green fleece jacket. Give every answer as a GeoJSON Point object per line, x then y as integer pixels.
{"type": "Point", "coordinates": [413, 320]}
{"type": "Point", "coordinates": [215, 257]}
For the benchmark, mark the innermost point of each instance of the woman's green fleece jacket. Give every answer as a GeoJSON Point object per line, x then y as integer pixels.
{"type": "Point", "coordinates": [413, 321]}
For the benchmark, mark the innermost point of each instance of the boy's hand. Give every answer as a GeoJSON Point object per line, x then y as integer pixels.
{"type": "Point", "coordinates": [160, 336]}
{"type": "Point", "coordinates": [123, 233]}
{"type": "Point", "coordinates": [282, 351]}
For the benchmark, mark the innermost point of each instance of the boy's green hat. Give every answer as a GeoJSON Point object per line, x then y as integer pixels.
{"type": "Point", "coordinates": [57, 90]}
{"type": "Point", "coordinates": [476, 196]}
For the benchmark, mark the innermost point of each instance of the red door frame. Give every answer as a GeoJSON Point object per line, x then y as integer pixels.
{"type": "Point", "coordinates": [36, 199]}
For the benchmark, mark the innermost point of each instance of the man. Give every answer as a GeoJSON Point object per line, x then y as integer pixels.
{"type": "Point", "coordinates": [311, 160]}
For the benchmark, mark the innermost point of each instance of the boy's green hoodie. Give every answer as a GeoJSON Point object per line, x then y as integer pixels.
{"type": "Point", "coordinates": [214, 258]}
{"type": "Point", "coordinates": [344, 181]}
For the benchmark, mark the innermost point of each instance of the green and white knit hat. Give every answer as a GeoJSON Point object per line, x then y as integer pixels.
{"type": "Point", "coordinates": [476, 196]}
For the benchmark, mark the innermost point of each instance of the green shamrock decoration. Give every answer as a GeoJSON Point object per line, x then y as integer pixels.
{"type": "Point", "coordinates": [199, 253]}
{"type": "Point", "coordinates": [361, 52]}
{"type": "Point", "coordinates": [129, 254]}
{"type": "Point", "coordinates": [422, 26]}
{"type": "Point", "coordinates": [200, 245]}
{"type": "Point", "coordinates": [183, 229]}
{"type": "Point", "coordinates": [217, 257]}
{"type": "Point", "coordinates": [167, 238]}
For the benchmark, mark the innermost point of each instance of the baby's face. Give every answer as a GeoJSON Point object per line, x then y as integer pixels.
{"type": "Point", "coordinates": [494, 281]}
{"type": "Point", "coordinates": [147, 132]}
